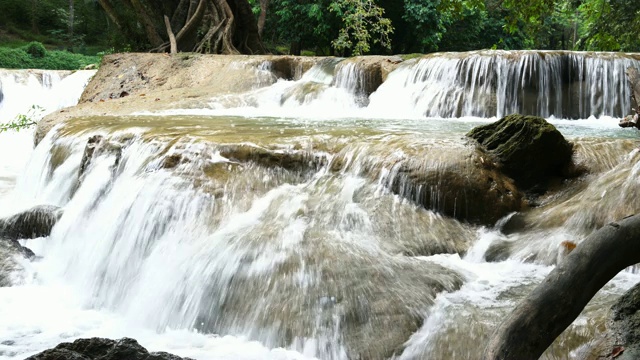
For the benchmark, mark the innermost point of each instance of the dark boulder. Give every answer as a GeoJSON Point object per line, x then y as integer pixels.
{"type": "Point", "coordinates": [528, 149]}
{"type": "Point", "coordinates": [103, 349]}
{"type": "Point", "coordinates": [33, 223]}
{"type": "Point", "coordinates": [469, 190]}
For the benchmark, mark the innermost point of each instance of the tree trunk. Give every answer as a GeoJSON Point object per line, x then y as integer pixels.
{"type": "Point", "coordinates": [148, 23]}
{"type": "Point", "coordinates": [71, 23]}
{"type": "Point", "coordinates": [558, 300]}
{"type": "Point", "coordinates": [262, 18]}
{"type": "Point", "coordinates": [172, 37]}
{"type": "Point", "coordinates": [34, 17]}
{"type": "Point", "coordinates": [109, 10]}
{"type": "Point", "coordinates": [218, 26]}
{"type": "Point", "coordinates": [296, 48]}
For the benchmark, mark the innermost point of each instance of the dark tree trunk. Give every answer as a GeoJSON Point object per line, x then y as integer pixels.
{"type": "Point", "coordinates": [296, 47]}
{"type": "Point", "coordinates": [559, 299]}
{"type": "Point", "coordinates": [211, 26]}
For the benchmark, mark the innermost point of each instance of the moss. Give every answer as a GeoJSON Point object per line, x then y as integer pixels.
{"type": "Point", "coordinates": [527, 148]}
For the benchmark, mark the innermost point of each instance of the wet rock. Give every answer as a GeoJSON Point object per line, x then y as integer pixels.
{"type": "Point", "coordinates": [10, 253]}
{"type": "Point", "coordinates": [498, 251]}
{"type": "Point", "coordinates": [471, 190]}
{"type": "Point", "coordinates": [512, 223]}
{"type": "Point", "coordinates": [171, 161]}
{"type": "Point", "coordinates": [621, 340]}
{"type": "Point", "coordinates": [103, 349]}
{"type": "Point", "coordinates": [89, 149]}
{"type": "Point", "coordinates": [33, 223]}
{"type": "Point", "coordinates": [98, 145]}
{"type": "Point", "coordinates": [288, 160]}
{"type": "Point", "coordinates": [527, 149]}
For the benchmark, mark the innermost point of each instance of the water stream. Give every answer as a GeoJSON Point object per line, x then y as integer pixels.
{"type": "Point", "coordinates": [262, 226]}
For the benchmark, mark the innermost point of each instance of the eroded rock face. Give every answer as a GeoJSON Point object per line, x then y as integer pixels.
{"type": "Point", "coordinates": [528, 149]}
{"type": "Point", "coordinates": [103, 349]}
{"type": "Point", "coordinates": [29, 224]}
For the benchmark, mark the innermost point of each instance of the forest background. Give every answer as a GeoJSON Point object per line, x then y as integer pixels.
{"type": "Point", "coordinates": [70, 34]}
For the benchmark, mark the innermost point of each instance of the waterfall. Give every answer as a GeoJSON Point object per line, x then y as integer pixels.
{"type": "Point", "coordinates": [480, 84]}
{"type": "Point", "coordinates": [562, 84]}
{"type": "Point", "coordinates": [33, 93]}
{"type": "Point", "coordinates": [278, 234]}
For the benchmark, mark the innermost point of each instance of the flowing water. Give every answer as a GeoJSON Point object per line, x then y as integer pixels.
{"type": "Point", "coordinates": [264, 226]}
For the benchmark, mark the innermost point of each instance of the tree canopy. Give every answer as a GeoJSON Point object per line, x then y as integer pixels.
{"type": "Point", "coordinates": [324, 27]}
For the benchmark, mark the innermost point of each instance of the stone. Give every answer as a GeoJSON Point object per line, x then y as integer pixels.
{"type": "Point", "coordinates": [10, 253]}
{"type": "Point", "coordinates": [528, 149]}
{"type": "Point", "coordinates": [103, 349]}
{"type": "Point", "coordinates": [33, 223]}
{"type": "Point", "coordinates": [271, 158]}
{"type": "Point", "coordinates": [471, 190]}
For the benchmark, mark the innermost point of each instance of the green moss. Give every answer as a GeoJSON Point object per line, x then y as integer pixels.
{"type": "Point", "coordinates": [528, 148]}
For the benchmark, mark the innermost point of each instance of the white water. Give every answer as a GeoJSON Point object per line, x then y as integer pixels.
{"type": "Point", "coordinates": [34, 93]}
{"type": "Point", "coordinates": [143, 252]}
{"type": "Point", "coordinates": [480, 84]}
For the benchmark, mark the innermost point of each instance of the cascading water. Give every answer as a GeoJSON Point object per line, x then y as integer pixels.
{"type": "Point", "coordinates": [276, 235]}
{"type": "Point", "coordinates": [32, 93]}
{"type": "Point", "coordinates": [497, 83]}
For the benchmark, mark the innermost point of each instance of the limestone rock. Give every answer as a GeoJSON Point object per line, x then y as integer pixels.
{"type": "Point", "coordinates": [103, 349]}
{"type": "Point", "coordinates": [528, 149]}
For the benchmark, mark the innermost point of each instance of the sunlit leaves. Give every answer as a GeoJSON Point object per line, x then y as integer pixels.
{"type": "Point", "coordinates": [364, 24]}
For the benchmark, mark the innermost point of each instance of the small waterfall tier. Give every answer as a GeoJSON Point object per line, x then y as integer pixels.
{"type": "Point", "coordinates": [563, 84]}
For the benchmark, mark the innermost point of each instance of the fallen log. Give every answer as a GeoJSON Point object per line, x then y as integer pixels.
{"type": "Point", "coordinates": [552, 306]}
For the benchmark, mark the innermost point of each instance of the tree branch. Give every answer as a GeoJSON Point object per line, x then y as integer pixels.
{"type": "Point", "coordinates": [172, 38]}
{"type": "Point", "coordinates": [192, 22]}
{"type": "Point", "coordinates": [558, 300]}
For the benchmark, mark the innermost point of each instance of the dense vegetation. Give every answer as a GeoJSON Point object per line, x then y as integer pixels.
{"type": "Point", "coordinates": [323, 27]}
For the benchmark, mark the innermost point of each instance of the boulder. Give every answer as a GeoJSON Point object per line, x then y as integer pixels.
{"type": "Point", "coordinates": [103, 349]}
{"type": "Point", "coordinates": [471, 190]}
{"type": "Point", "coordinates": [528, 149]}
{"type": "Point", "coordinates": [33, 223]}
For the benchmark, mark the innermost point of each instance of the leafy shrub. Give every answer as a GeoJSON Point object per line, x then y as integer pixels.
{"type": "Point", "coordinates": [52, 60]}
{"type": "Point", "coordinates": [35, 49]}
{"type": "Point", "coordinates": [64, 60]}
{"type": "Point", "coordinates": [15, 59]}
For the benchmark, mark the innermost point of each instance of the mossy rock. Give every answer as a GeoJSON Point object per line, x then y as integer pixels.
{"type": "Point", "coordinates": [528, 149]}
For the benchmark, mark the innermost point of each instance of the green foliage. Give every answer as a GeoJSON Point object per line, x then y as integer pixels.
{"type": "Point", "coordinates": [15, 59]}
{"type": "Point", "coordinates": [364, 24]}
{"type": "Point", "coordinates": [610, 25]}
{"type": "Point", "coordinates": [52, 60]}
{"type": "Point", "coordinates": [23, 121]}
{"type": "Point", "coordinates": [35, 49]}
